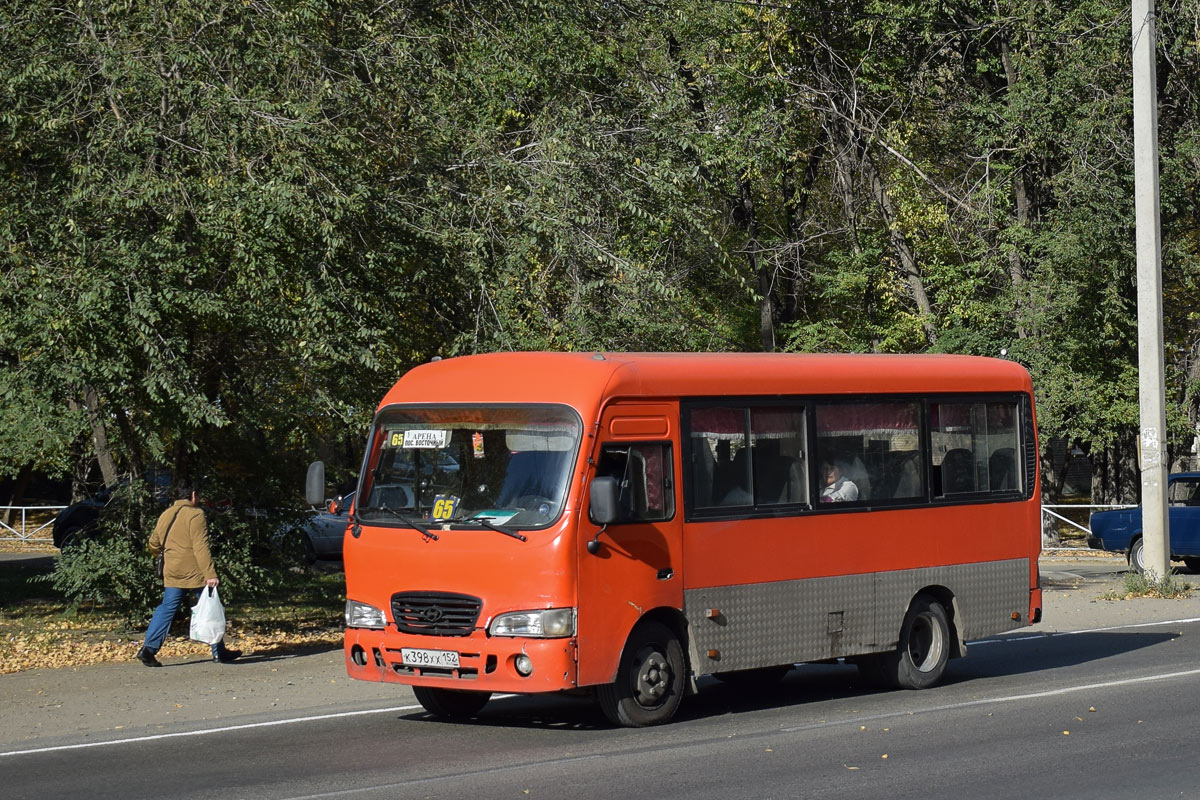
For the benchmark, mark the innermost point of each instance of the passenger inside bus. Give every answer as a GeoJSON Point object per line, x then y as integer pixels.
{"type": "Point", "coordinates": [838, 488]}
{"type": "Point", "coordinates": [856, 473]}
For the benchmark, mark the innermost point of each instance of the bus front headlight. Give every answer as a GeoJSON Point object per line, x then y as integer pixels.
{"type": "Point", "coordinates": [362, 615]}
{"type": "Point", "coordinates": [549, 623]}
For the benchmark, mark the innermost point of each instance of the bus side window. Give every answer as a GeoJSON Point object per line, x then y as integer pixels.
{"type": "Point", "coordinates": [643, 473]}
{"type": "Point", "coordinates": [777, 447]}
{"type": "Point", "coordinates": [1002, 470]}
{"type": "Point", "coordinates": [958, 471]}
{"type": "Point", "coordinates": [974, 447]}
{"type": "Point", "coordinates": [736, 493]}
{"type": "Point", "coordinates": [869, 452]}
{"type": "Point", "coordinates": [719, 472]}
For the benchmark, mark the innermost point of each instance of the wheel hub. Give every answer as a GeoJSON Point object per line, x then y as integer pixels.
{"type": "Point", "coordinates": [925, 644]}
{"type": "Point", "coordinates": [653, 677]}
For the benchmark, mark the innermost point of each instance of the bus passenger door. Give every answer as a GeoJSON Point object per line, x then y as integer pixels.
{"type": "Point", "coordinates": [637, 565]}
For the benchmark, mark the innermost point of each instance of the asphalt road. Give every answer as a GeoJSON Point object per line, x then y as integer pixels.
{"type": "Point", "coordinates": [1105, 710]}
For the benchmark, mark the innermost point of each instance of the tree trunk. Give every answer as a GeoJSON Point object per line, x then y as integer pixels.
{"type": "Point", "coordinates": [904, 252]}
{"type": "Point", "coordinates": [1021, 199]}
{"type": "Point", "coordinates": [101, 448]}
{"type": "Point", "coordinates": [1115, 478]}
{"type": "Point", "coordinates": [846, 169]}
{"type": "Point", "coordinates": [796, 203]}
{"type": "Point", "coordinates": [18, 492]}
{"type": "Point", "coordinates": [746, 216]}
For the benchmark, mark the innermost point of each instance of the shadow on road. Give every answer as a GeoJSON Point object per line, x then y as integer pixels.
{"type": "Point", "coordinates": [811, 683]}
{"type": "Point", "coordinates": [1019, 656]}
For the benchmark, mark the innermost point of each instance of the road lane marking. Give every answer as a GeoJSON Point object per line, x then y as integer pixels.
{"type": "Point", "coordinates": [1046, 634]}
{"type": "Point", "coordinates": [1012, 698]}
{"type": "Point", "coordinates": [398, 709]}
{"type": "Point", "coordinates": [225, 729]}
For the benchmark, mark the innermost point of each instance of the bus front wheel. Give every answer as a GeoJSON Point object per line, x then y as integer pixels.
{"type": "Point", "coordinates": [650, 678]}
{"type": "Point", "coordinates": [919, 661]}
{"type": "Point", "coordinates": [451, 703]}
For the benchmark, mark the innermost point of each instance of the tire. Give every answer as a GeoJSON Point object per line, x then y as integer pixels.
{"type": "Point", "coordinates": [1137, 557]}
{"type": "Point", "coordinates": [1192, 563]}
{"type": "Point", "coordinates": [70, 537]}
{"type": "Point", "coordinates": [873, 669]}
{"type": "Point", "coordinates": [650, 679]}
{"type": "Point", "coordinates": [451, 703]}
{"type": "Point", "coordinates": [919, 660]}
{"type": "Point", "coordinates": [754, 679]}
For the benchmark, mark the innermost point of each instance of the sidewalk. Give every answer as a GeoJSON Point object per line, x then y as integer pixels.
{"type": "Point", "coordinates": [1072, 586]}
{"type": "Point", "coordinates": [110, 701]}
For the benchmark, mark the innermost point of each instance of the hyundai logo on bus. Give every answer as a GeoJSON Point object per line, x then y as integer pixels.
{"type": "Point", "coordinates": [432, 614]}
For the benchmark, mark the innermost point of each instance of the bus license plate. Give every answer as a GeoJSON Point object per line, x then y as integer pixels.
{"type": "Point", "coordinates": [442, 659]}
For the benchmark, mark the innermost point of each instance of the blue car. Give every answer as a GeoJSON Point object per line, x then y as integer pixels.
{"type": "Point", "coordinates": [1121, 530]}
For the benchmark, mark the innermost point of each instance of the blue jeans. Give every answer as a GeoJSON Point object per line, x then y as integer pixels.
{"type": "Point", "coordinates": [160, 623]}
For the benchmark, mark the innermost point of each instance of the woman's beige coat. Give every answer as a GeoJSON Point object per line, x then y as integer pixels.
{"type": "Point", "coordinates": [187, 564]}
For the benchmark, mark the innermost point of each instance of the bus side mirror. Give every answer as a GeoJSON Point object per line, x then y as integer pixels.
{"type": "Point", "coordinates": [314, 485]}
{"type": "Point", "coordinates": [604, 494]}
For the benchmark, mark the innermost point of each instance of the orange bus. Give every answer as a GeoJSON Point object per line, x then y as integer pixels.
{"type": "Point", "coordinates": [541, 522]}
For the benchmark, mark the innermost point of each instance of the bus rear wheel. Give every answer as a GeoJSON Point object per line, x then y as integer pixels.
{"type": "Point", "coordinates": [919, 661]}
{"type": "Point", "coordinates": [451, 703]}
{"type": "Point", "coordinates": [650, 678]}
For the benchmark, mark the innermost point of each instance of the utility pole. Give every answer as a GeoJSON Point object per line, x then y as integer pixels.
{"type": "Point", "coordinates": [1151, 385]}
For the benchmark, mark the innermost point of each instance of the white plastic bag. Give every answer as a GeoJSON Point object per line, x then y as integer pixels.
{"type": "Point", "coordinates": [208, 617]}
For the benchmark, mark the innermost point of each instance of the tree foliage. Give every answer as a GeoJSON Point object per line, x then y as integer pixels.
{"type": "Point", "coordinates": [228, 227]}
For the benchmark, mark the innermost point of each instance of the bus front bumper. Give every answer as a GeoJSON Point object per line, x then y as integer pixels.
{"type": "Point", "coordinates": [485, 664]}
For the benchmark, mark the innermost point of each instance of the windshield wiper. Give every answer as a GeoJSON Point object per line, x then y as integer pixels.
{"type": "Point", "coordinates": [485, 522]}
{"type": "Point", "coordinates": [412, 523]}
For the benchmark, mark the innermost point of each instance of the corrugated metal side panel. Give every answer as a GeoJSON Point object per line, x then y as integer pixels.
{"type": "Point", "coordinates": [756, 625]}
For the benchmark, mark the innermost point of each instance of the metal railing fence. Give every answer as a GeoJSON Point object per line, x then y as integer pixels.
{"type": "Point", "coordinates": [1049, 510]}
{"type": "Point", "coordinates": [25, 529]}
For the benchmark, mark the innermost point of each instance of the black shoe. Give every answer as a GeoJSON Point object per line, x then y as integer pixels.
{"type": "Point", "coordinates": [227, 656]}
{"type": "Point", "coordinates": [147, 657]}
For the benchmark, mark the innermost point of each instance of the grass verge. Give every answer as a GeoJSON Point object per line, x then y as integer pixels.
{"type": "Point", "coordinates": [1137, 584]}
{"type": "Point", "coordinates": [39, 628]}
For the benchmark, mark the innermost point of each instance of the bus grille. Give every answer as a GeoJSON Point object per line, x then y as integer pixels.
{"type": "Point", "coordinates": [435, 613]}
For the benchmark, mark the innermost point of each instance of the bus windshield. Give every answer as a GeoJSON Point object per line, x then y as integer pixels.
{"type": "Point", "coordinates": [480, 466]}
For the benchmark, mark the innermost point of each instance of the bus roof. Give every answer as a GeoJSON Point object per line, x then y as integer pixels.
{"type": "Point", "coordinates": [580, 379]}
